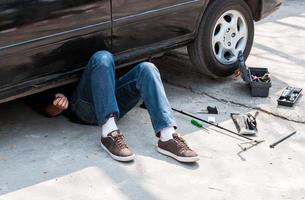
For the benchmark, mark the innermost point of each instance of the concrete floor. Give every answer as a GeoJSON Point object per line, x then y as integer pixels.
{"type": "Point", "coordinates": [42, 158]}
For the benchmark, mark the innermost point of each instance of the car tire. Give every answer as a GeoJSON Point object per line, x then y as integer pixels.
{"type": "Point", "coordinates": [214, 51]}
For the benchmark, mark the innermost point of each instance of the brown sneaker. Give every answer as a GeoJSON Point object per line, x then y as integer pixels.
{"type": "Point", "coordinates": [177, 149]}
{"type": "Point", "coordinates": [115, 145]}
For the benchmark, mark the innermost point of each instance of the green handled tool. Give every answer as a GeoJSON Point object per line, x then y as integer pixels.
{"type": "Point", "coordinates": [198, 124]}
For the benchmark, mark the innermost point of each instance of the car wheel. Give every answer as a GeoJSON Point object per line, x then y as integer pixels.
{"type": "Point", "coordinates": [226, 28]}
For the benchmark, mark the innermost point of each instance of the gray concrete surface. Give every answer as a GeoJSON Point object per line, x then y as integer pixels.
{"type": "Point", "coordinates": [42, 158]}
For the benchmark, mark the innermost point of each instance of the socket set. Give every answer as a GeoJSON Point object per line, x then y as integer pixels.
{"type": "Point", "coordinates": [289, 96]}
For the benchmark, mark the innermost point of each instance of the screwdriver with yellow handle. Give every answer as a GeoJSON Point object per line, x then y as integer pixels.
{"type": "Point", "coordinates": [198, 125]}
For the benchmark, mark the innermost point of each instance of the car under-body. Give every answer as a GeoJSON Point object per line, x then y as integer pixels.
{"type": "Point", "coordinates": [45, 44]}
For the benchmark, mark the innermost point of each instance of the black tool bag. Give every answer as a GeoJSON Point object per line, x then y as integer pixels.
{"type": "Point", "coordinates": [245, 123]}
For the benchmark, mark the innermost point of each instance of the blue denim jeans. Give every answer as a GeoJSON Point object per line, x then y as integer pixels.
{"type": "Point", "coordinates": [98, 95]}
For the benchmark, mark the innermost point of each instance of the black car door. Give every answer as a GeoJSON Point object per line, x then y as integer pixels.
{"type": "Point", "coordinates": [137, 23]}
{"type": "Point", "coordinates": [39, 38]}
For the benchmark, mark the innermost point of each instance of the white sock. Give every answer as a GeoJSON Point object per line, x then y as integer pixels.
{"type": "Point", "coordinates": [167, 134]}
{"type": "Point", "coordinates": [109, 126]}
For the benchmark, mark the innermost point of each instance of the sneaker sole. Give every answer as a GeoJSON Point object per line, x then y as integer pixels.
{"type": "Point", "coordinates": [118, 158]}
{"type": "Point", "coordinates": [179, 158]}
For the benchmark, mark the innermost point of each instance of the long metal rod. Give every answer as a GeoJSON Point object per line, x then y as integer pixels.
{"type": "Point", "coordinates": [220, 127]}
{"type": "Point", "coordinates": [283, 139]}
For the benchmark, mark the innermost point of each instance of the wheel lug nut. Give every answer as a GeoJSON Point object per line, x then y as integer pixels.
{"type": "Point", "coordinates": [228, 29]}
{"type": "Point", "coordinates": [233, 35]}
{"type": "Point", "coordinates": [229, 43]}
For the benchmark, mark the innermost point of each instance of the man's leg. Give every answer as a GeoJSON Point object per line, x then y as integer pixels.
{"type": "Point", "coordinates": [144, 81]}
{"type": "Point", "coordinates": [94, 102]}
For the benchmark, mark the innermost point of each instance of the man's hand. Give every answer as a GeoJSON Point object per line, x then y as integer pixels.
{"type": "Point", "coordinates": [59, 104]}
{"type": "Point", "coordinates": [237, 73]}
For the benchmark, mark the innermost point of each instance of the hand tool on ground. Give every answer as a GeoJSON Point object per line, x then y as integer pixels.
{"type": "Point", "coordinates": [198, 125]}
{"type": "Point", "coordinates": [245, 123]}
{"type": "Point", "coordinates": [215, 125]}
{"type": "Point", "coordinates": [209, 110]}
{"type": "Point", "coordinates": [283, 139]}
{"type": "Point", "coordinates": [212, 120]}
{"type": "Point", "coordinates": [248, 147]}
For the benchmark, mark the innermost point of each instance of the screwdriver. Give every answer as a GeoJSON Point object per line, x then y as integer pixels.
{"type": "Point", "coordinates": [198, 125]}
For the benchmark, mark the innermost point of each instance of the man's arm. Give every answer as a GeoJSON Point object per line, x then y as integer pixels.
{"type": "Point", "coordinates": [58, 105]}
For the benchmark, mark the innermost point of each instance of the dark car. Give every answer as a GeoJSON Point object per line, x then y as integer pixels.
{"type": "Point", "coordinates": [47, 43]}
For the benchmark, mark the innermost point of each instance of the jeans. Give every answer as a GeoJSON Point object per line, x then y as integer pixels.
{"type": "Point", "coordinates": [98, 95]}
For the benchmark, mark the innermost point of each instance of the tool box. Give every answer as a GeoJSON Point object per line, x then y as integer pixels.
{"type": "Point", "coordinates": [259, 89]}
{"type": "Point", "coordinates": [258, 78]}
{"type": "Point", "coordinates": [289, 96]}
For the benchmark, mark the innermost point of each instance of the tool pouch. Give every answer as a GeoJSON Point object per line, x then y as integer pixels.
{"type": "Point", "coordinates": [245, 123]}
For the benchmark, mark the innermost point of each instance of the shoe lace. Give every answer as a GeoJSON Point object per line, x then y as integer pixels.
{"type": "Point", "coordinates": [182, 143]}
{"type": "Point", "coordinates": [119, 140]}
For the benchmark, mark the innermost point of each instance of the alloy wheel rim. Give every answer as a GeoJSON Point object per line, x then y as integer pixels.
{"type": "Point", "coordinates": [229, 37]}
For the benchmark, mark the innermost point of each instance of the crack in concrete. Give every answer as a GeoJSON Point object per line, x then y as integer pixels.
{"type": "Point", "coordinates": [233, 102]}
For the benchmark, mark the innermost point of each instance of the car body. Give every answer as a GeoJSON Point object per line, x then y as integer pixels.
{"type": "Point", "coordinates": [47, 43]}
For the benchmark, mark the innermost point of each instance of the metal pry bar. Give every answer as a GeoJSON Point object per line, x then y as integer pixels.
{"type": "Point", "coordinates": [281, 140]}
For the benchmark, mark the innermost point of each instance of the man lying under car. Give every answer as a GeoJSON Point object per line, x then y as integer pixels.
{"type": "Point", "coordinates": [99, 99]}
